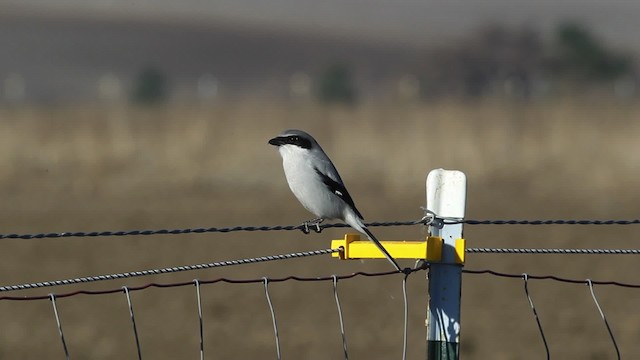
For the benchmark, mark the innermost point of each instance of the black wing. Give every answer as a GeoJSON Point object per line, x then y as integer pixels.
{"type": "Point", "coordinates": [338, 189]}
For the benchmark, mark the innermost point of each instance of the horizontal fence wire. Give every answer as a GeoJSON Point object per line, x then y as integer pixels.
{"type": "Point", "coordinates": [547, 222]}
{"type": "Point", "coordinates": [166, 270]}
{"type": "Point", "coordinates": [302, 227]}
{"type": "Point", "coordinates": [201, 230]}
{"type": "Point", "coordinates": [334, 278]}
{"type": "Point", "coordinates": [174, 269]}
{"type": "Point", "coordinates": [261, 280]}
{"type": "Point", "coordinates": [212, 281]}
{"type": "Point", "coordinates": [553, 251]}
{"type": "Point", "coordinates": [550, 277]}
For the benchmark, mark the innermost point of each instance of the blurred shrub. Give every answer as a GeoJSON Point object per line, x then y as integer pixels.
{"type": "Point", "coordinates": [335, 85]}
{"type": "Point", "coordinates": [485, 63]}
{"type": "Point", "coordinates": [150, 87]}
{"type": "Point", "coordinates": [499, 60]}
{"type": "Point", "coordinates": [580, 55]}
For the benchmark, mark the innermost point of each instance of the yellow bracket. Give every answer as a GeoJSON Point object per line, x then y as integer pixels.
{"type": "Point", "coordinates": [429, 249]}
{"type": "Point", "coordinates": [461, 246]}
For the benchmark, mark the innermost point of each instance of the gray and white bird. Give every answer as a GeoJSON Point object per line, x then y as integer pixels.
{"type": "Point", "coordinates": [314, 180]}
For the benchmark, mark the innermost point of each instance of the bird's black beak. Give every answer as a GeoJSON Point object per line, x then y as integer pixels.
{"type": "Point", "coordinates": [276, 141]}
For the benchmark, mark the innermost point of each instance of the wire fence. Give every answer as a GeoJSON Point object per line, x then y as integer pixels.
{"type": "Point", "coordinates": [427, 220]}
{"type": "Point", "coordinates": [332, 278]}
{"type": "Point", "coordinates": [590, 283]}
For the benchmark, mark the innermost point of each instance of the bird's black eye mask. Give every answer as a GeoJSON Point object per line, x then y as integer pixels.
{"type": "Point", "coordinates": [298, 141]}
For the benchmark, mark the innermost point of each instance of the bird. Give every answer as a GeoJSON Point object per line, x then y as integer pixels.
{"type": "Point", "coordinates": [315, 182]}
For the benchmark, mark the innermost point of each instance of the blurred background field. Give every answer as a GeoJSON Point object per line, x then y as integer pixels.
{"type": "Point", "coordinates": [119, 123]}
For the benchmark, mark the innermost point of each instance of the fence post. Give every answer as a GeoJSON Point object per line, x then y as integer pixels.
{"type": "Point", "coordinates": [446, 194]}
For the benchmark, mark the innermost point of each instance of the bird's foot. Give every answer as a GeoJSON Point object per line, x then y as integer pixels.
{"type": "Point", "coordinates": [312, 223]}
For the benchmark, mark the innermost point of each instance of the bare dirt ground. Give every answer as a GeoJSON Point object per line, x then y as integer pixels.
{"type": "Point", "coordinates": [91, 168]}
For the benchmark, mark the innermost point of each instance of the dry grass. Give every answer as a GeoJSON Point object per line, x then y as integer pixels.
{"type": "Point", "coordinates": [91, 168]}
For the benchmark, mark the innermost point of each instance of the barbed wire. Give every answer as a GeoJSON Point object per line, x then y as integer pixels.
{"type": "Point", "coordinates": [302, 227]}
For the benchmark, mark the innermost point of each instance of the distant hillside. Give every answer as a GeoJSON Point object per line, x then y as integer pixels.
{"type": "Point", "coordinates": [416, 23]}
{"type": "Point", "coordinates": [63, 58]}
{"type": "Point", "coordinates": [83, 50]}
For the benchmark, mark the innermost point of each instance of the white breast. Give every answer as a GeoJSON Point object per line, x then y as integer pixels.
{"type": "Point", "coordinates": [307, 185]}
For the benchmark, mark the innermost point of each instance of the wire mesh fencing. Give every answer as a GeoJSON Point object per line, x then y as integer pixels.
{"type": "Point", "coordinates": [58, 298]}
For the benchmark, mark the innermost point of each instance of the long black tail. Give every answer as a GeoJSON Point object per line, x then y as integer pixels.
{"type": "Point", "coordinates": [379, 245]}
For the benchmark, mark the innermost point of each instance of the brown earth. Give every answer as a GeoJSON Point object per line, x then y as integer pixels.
{"type": "Point", "coordinates": [89, 168]}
